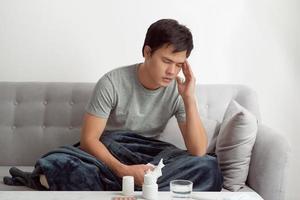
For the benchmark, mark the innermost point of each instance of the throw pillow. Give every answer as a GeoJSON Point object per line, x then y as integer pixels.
{"type": "Point", "coordinates": [234, 145]}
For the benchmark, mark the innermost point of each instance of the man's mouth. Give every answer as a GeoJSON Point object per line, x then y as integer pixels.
{"type": "Point", "coordinates": [166, 79]}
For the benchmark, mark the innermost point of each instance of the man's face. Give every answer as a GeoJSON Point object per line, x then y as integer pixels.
{"type": "Point", "coordinates": [163, 65]}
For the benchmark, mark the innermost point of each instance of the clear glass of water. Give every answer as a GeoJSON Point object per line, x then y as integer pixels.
{"type": "Point", "coordinates": [181, 189]}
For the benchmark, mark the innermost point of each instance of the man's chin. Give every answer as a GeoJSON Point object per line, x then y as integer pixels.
{"type": "Point", "coordinates": [165, 84]}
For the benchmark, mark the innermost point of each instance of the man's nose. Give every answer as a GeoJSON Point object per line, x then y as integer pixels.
{"type": "Point", "coordinates": [171, 70]}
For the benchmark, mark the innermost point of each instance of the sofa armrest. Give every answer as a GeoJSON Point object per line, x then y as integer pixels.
{"type": "Point", "coordinates": [269, 163]}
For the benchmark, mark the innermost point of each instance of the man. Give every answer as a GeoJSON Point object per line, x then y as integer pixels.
{"type": "Point", "coordinates": [141, 98]}
{"type": "Point", "coordinates": [129, 108]}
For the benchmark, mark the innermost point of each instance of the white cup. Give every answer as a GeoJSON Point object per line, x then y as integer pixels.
{"type": "Point", "coordinates": [128, 185]}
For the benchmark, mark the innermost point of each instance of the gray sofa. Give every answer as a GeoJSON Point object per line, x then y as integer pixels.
{"type": "Point", "coordinates": [36, 117]}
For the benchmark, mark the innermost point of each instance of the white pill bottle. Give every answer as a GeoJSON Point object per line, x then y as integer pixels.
{"type": "Point", "coordinates": [150, 187]}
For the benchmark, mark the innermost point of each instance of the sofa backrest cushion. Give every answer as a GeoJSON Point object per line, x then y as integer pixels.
{"type": "Point", "coordinates": [36, 117]}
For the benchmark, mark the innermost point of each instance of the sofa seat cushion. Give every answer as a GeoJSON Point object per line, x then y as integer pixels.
{"type": "Point", "coordinates": [246, 188]}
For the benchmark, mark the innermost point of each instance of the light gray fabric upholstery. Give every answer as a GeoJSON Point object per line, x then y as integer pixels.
{"type": "Point", "coordinates": [173, 135]}
{"type": "Point", "coordinates": [269, 164]}
{"type": "Point", "coordinates": [36, 117]}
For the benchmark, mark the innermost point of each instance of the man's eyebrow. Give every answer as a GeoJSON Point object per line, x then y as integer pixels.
{"type": "Point", "coordinates": [172, 60]}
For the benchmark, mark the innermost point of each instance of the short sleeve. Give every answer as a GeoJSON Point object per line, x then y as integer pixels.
{"type": "Point", "coordinates": [180, 111]}
{"type": "Point", "coordinates": [103, 98]}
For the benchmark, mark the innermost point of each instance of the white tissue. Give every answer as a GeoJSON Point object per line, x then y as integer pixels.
{"type": "Point", "coordinates": [156, 172]}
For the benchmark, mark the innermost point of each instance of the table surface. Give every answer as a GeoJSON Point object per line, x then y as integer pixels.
{"type": "Point", "coordinates": [87, 195]}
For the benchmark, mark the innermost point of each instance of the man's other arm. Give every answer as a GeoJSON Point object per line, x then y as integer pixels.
{"type": "Point", "coordinates": [192, 130]}
{"type": "Point", "coordinates": [92, 130]}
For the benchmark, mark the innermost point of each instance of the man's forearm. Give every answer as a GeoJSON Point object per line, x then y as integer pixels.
{"type": "Point", "coordinates": [195, 136]}
{"type": "Point", "coordinates": [99, 150]}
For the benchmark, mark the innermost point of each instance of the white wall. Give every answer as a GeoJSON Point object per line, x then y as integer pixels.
{"type": "Point", "coordinates": [254, 42]}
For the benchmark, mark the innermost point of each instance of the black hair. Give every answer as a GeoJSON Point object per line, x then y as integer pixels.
{"type": "Point", "coordinates": [170, 32]}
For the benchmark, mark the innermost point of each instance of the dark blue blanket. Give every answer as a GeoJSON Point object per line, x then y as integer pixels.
{"type": "Point", "coordinates": [70, 168]}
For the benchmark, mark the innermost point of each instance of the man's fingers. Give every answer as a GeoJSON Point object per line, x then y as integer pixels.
{"type": "Point", "coordinates": [187, 69]}
{"type": "Point", "coordinates": [149, 164]}
{"type": "Point", "coordinates": [184, 70]}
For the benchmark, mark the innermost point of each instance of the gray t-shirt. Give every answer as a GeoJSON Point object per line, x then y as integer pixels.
{"type": "Point", "coordinates": [129, 107]}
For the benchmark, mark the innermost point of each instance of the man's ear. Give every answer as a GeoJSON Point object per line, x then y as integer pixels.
{"type": "Point", "coordinates": [147, 51]}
